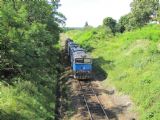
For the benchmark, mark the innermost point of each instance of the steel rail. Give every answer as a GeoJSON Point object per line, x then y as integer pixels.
{"type": "Point", "coordinates": [100, 103]}
{"type": "Point", "coordinates": [86, 103]}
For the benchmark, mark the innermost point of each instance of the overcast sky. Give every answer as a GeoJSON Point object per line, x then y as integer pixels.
{"type": "Point", "coordinates": [78, 12]}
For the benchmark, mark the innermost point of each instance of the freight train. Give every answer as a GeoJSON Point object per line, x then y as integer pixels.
{"type": "Point", "coordinates": [80, 61]}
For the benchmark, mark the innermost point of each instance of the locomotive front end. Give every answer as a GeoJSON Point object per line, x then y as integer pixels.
{"type": "Point", "coordinates": [82, 67]}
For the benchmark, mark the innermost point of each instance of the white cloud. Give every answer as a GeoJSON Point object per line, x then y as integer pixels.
{"type": "Point", "coordinates": [93, 11]}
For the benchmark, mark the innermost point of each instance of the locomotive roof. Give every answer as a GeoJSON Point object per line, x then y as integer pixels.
{"type": "Point", "coordinates": [74, 49]}
{"type": "Point", "coordinates": [81, 54]}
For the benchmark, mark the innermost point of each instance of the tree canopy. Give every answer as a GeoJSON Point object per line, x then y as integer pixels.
{"type": "Point", "coordinates": [143, 9]}
{"type": "Point", "coordinates": [28, 31]}
{"type": "Point", "coordinates": [142, 12]}
{"type": "Point", "coordinates": [110, 22]}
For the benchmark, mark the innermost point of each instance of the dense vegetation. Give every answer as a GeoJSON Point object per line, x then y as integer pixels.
{"type": "Point", "coordinates": [29, 62]}
{"type": "Point", "coordinates": [131, 61]}
{"type": "Point", "coordinates": [29, 31]}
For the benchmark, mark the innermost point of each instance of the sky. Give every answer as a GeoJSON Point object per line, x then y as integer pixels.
{"type": "Point", "coordinates": [78, 12]}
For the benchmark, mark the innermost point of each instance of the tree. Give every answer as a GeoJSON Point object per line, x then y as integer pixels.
{"type": "Point", "coordinates": [86, 24]}
{"type": "Point", "coordinates": [28, 32]}
{"type": "Point", "coordinates": [142, 10]}
{"type": "Point", "coordinates": [123, 21]}
{"type": "Point", "coordinates": [127, 22]}
{"type": "Point", "coordinates": [111, 23]}
{"type": "Point", "coordinates": [118, 28]}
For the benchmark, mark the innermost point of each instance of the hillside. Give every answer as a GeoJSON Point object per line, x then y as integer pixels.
{"type": "Point", "coordinates": [131, 61]}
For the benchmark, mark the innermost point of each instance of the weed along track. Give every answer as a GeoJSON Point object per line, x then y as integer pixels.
{"type": "Point", "coordinates": [93, 104]}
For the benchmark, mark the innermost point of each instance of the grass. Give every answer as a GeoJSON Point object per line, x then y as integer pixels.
{"type": "Point", "coordinates": [25, 100]}
{"type": "Point", "coordinates": [134, 67]}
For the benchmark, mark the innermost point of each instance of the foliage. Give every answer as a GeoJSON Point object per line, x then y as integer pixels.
{"type": "Point", "coordinates": [111, 23]}
{"type": "Point", "coordinates": [123, 21]}
{"type": "Point", "coordinates": [127, 22]}
{"type": "Point", "coordinates": [158, 14]}
{"type": "Point", "coordinates": [26, 101]}
{"type": "Point", "coordinates": [29, 32]}
{"type": "Point", "coordinates": [142, 10]}
{"type": "Point", "coordinates": [133, 67]}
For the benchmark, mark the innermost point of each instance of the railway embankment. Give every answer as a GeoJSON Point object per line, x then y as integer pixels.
{"type": "Point", "coordinates": [129, 62]}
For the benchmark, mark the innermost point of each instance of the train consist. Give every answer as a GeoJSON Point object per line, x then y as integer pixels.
{"type": "Point", "coordinates": [81, 62]}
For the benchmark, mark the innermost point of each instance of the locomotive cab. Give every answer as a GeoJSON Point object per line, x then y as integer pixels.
{"type": "Point", "coordinates": [73, 50]}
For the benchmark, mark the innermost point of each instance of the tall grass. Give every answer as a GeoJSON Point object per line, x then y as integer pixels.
{"type": "Point", "coordinates": [26, 101]}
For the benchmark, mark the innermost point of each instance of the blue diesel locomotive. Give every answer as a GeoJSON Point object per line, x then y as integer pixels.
{"type": "Point", "coordinates": [81, 62]}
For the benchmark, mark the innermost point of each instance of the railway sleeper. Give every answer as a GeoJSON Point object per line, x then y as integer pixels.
{"type": "Point", "coordinates": [87, 91]}
{"type": "Point", "coordinates": [86, 87]}
{"type": "Point", "coordinates": [95, 108]}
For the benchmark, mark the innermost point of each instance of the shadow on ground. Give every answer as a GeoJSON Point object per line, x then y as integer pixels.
{"type": "Point", "coordinates": [99, 73]}
{"type": "Point", "coordinates": [96, 111]}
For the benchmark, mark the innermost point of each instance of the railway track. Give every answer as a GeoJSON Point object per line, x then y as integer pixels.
{"type": "Point", "coordinates": [92, 102]}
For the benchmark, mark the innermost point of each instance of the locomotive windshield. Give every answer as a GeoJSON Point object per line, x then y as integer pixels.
{"type": "Point", "coordinates": [81, 60]}
{"type": "Point", "coordinates": [87, 60]}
